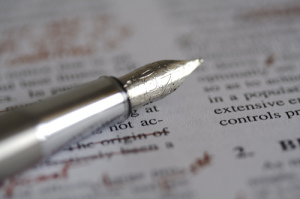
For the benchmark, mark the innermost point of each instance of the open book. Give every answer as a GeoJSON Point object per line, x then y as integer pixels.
{"type": "Point", "coordinates": [231, 131]}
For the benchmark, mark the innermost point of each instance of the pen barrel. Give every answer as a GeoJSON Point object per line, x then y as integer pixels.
{"type": "Point", "coordinates": [29, 134]}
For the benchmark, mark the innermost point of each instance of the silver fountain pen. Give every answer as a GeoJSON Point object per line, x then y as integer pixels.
{"type": "Point", "coordinates": [29, 134]}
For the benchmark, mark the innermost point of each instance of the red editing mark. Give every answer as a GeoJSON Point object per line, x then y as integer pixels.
{"type": "Point", "coordinates": [15, 182]}
{"type": "Point", "coordinates": [200, 163]}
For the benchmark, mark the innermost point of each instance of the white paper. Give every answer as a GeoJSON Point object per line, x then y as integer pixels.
{"type": "Point", "coordinates": [230, 131]}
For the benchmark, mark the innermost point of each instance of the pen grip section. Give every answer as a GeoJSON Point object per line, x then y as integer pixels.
{"type": "Point", "coordinates": [67, 116]}
{"type": "Point", "coordinates": [45, 127]}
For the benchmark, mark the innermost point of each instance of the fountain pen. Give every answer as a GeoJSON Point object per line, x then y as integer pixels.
{"type": "Point", "coordinates": [32, 133]}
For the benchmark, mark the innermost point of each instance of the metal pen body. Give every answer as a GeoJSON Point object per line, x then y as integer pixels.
{"type": "Point", "coordinates": [31, 133]}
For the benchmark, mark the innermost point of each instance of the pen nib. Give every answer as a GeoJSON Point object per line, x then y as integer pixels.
{"type": "Point", "coordinates": [156, 80]}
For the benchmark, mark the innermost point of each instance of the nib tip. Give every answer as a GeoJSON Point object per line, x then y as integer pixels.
{"type": "Point", "coordinates": [197, 62]}
{"type": "Point", "coordinates": [191, 65]}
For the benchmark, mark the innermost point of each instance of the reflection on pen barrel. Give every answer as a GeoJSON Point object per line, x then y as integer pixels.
{"type": "Point", "coordinates": [31, 133]}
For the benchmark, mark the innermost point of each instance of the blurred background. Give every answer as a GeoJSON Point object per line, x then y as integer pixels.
{"type": "Point", "coordinates": [49, 47]}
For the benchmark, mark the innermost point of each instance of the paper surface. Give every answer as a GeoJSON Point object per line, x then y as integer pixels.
{"type": "Point", "coordinates": [231, 131]}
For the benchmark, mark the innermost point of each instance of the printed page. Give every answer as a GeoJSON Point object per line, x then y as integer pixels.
{"type": "Point", "coordinates": [230, 131]}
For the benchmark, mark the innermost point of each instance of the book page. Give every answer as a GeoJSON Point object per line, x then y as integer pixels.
{"type": "Point", "coordinates": [230, 131]}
